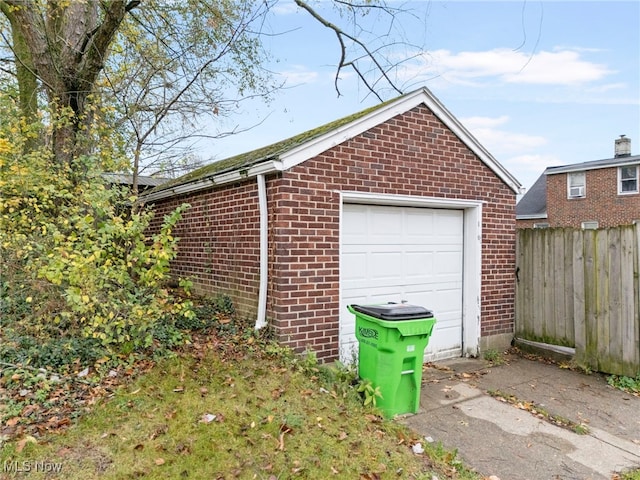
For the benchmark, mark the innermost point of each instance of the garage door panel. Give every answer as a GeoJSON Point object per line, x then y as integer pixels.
{"type": "Point", "coordinates": [384, 222]}
{"type": "Point", "coordinates": [404, 254]}
{"type": "Point", "coordinates": [418, 264]}
{"type": "Point", "coordinates": [446, 263]}
{"type": "Point", "coordinates": [354, 266]}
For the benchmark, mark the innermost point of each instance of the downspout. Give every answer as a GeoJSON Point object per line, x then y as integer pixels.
{"type": "Point", "coordinates": [261, 320]}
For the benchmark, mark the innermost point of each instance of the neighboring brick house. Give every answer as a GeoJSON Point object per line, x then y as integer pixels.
{"type": "Point", "coordinates": [595, 194]}
{"type": "Point", "coordinates": [398, 202]}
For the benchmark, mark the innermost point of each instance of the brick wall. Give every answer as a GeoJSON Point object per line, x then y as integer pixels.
{"type": "Point", "coordinates": [219, 247]}
{"type": "Point", "coordinates": [601, 203]}
{"type": "Point", "coordinates": [412, 154]}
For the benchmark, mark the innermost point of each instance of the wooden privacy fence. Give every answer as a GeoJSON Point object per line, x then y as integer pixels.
{"type": "Point", "coordinates": [579, 288]}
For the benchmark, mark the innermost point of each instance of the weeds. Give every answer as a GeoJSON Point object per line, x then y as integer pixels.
{"type": "Point", "coordinates": [540, 412]}
{"type": "Point", "coordinates": [494, 356]}
{"type": "Point", "coordinates": [630, 475]}
{"type": "Point", "coordinates": [368, 392]}
{"type": "Point", "coordinates": [627, 384]}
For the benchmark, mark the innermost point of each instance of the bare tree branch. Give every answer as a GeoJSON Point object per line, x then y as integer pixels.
{"type": "Point", "coordinates": [344, 63]}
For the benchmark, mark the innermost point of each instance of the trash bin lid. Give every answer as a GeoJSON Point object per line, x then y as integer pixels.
{"type": "Point", "coordinates": [394, 311]}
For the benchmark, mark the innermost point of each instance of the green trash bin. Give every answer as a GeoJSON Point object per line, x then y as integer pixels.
{"type": "Point", "coordinates": [391, 342]}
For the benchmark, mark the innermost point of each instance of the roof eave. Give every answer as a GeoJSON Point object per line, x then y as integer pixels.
{"type": "Point", "coordinates": [215, 180]}
{"type": "Point", "coordinates": [536, 216]}
{"type": "Point", "coordinates": [330, 139]}
{"type": "Point", "coordinates": [581, 167]}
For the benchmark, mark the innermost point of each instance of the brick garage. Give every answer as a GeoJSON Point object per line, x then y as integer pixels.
{"type": "Point", "coordinates": [284, 263]}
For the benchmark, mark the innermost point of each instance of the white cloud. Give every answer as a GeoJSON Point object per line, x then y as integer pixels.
{"type": "Point", "coordinates": [284, 8]}
{"type": "Point", "coordinates": [532, 162]}
{"type": "Point", "coordinates": [500, 141]}
{"type": "Point", "coordinates": [298, 74]}
{"type": "Point", "coordinates": [562, 67]}
{"type": "Point", "coordinates": [484, 122]}
{"type": "Point", "coordinates": [608, 87]}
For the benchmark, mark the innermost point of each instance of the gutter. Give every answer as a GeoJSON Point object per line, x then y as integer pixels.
{"type": "Point", "coordinates": [532, 216]}
{"type": "Point", "coordinates": [261, 319]}
{"type": "Point", "coordinates": [213, 180]}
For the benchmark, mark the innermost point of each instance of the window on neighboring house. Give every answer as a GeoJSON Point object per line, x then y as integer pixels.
{"type": "Point", "coordinates": [628, 179]}
{"type": "Point", "coordinates": [576, 185]}
{"type": "Point", "coordinates": [592, 225]}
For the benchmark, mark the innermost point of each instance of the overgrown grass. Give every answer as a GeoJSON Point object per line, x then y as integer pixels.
{"type": "Point", "coordinates": [231, 405]}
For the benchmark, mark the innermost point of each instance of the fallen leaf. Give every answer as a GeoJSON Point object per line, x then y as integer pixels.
{"type": "Point", "coordinates": [159, 430]}
{"type": "Point", "coordinates": [296, 467]}
{"type": "Point", "coordinates": [370, 476]}
{"type": "Point", "coordinates": [64, 451]}
{"type": "Point", "coordinates": [171, 414]}
{"type": "Point", "coordinates": [159, 461]}
{"type": "Point", "coordinates": [12, 421]}
{"type": "Point", "coordinates": [22, 443]}
{"type": "Point", "coordinates": [183, 449]}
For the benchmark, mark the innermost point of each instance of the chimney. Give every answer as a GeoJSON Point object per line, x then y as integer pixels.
{"type": "Point", "coordinates": [623, 146]}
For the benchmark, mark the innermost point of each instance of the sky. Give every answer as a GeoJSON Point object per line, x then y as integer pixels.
{"type": "Point", "coordinates": [538, 83]}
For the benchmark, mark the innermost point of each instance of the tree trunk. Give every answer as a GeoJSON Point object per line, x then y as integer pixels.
{"type": "Point", "coordinates": [64, 45]}
{"type": "Point", "coordinates": [27, 80]}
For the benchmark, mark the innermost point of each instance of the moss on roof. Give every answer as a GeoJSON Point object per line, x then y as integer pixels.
{"type": "Point", "coordinates": [264, 154]}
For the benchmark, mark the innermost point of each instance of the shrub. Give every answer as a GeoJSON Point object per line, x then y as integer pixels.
{"type": "Point", "coordinates": [77, 262]}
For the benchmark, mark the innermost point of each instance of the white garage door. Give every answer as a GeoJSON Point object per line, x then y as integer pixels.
{"type": "Point", "coordinates": [391, 254]}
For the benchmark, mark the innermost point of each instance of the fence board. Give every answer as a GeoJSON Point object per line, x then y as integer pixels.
{"type": "Point", "coordinates": [602, 307]}
{"type": "Point", "coordinates": [580, 288]}
{"type": "Point", "coordinates": [616, 267]}
{"type": "Point", "coordinates": [569, 313]}
{"type": "Point", "coordinates": [630, 331]}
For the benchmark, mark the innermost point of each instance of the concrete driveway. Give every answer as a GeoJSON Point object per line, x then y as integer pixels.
{"type": "Point", "coordinates": [499, 419]}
